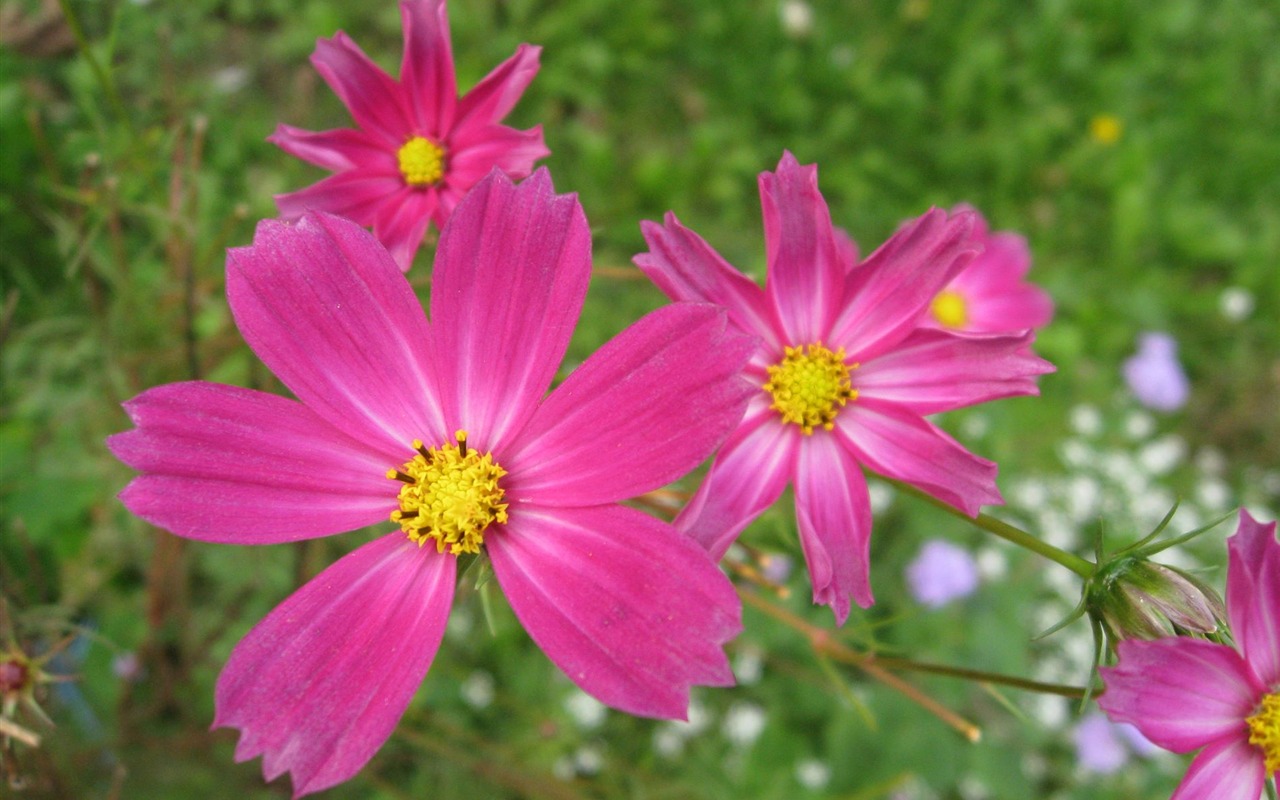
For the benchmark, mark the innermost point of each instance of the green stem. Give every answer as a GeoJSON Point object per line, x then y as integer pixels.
{"type": "Point", "coordinates": [104, 80]}
{"type": "Point", "coordinates": [1009, 533]}
{"type": "Point", "coordinates": [978, 676]}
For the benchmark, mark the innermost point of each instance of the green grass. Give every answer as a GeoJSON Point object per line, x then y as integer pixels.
{"type": "Point", "coordinates": [128, 165]}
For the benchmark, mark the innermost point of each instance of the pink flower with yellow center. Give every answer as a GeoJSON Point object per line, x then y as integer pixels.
{"type": "Point", "coordinates": [844, 376]}
{"type": "Point", "coordinates": [417, 147]}
{"type": "Point", "coordinates": [446, 428]}
{"type": "Point", "coordinates": [991, 295]}
{"type": "Point", "coordinates": [1191, 694]}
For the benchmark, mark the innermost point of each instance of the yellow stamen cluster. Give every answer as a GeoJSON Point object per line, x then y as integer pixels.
{"type": "Point", "coordinates": [810, 385]}
{"type": "Point", "coordinates": [421, 161]}
{"type": "Point", "coordinates": [1264, 731]}
{"type": "Point", "coordinates": [949, 309]}
{"type": "Point", "coordinates": [450, 495]}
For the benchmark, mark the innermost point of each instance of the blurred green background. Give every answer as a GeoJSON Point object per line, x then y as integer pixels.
{"type": "Point", "coordinates": [1136, 146]}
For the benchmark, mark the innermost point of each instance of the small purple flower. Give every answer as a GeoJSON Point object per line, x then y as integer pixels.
{"type": "Point", "coordinates": [1103, 746]}
{"type": "Point", "coordinates": [1154, 375]}
{"type": "Point", "coordinates": [942, 572]}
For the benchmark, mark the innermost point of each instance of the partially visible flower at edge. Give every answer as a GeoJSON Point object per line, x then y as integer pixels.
{"type": "Point", "coordinates": [844, 376]}
{"type": "Point", "coordinates": [1154, 374]}
{"type": "Point", "coordinates": [443, 426]}
{"type": "Point", "coordinates": [1190, 694]}
{"type": "Point", "coordinates": [991, 294]}
{"type": "Point", "coordinates": [417, 147]}
{"type": "Point", "coordinates": [940, 573]}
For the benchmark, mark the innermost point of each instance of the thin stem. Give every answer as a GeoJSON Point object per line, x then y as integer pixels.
{"type": "Point", "coordinates": [104, 79]}
{"type": "Point", "coordinates": [823, 644]}
{"type": "Point", "coordinates": [1009, 533]}
{"type": "Point", "coordinates": [979, 676]}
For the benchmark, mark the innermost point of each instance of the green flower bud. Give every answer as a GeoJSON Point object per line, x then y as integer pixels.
{"type": "Point", "coordinates": [1132, 598]}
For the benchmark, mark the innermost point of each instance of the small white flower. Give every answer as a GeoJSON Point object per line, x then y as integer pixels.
{"type": "Point", "coordinates": [743, 723]}
{"type": "Point", "coordinates": [478, 689]}
{"type": "Point", "coordinates": [587, 712]}
{"type": "Point", "coordinates": [1236, 303]}
{"type": "Point", "coordinates": [813, 774]}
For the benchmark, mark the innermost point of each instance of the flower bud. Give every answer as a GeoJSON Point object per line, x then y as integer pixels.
{"type": "Point", "coordinates": [1132, 598]}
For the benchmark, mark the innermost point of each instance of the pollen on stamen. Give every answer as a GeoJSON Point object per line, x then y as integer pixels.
{"type": "Point", "coordinates": [1264, 731]}
{"type": "Point", "coordinates": [453, 496]}
{"type": "Point", "coordinates": [421, 161]}
{"type": "Point", "coordinates": [810, 385]}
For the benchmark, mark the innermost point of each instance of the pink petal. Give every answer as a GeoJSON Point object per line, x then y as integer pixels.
{"type": "Point", "coordinates": [1253, 595]}
{"type": "Point", "coordinates": [493, 98]}
{"type": "Point", "coordinates": [1181, 693]}
{"type": "Point", "coordinates": [375, 100]}
{"type": "Point", "coordinates": [326, 309]}
{"type": "Point", "coordinates": [748, 475]}
{"type": "Point", "coordinates": [885, 295]}
{"type": "Point", "coordinates": [357, 195]}
{"type": "Point", "coordinates": [404, 221]}
{"type": "Point", "coordinates": [1227, 769]}
{"type": "Point", "coordinates": [685, 267]}
{"type": "Point", "coordinates": [933, 371]}
{"type": "Point", "coordinates": [320, 684]}
{"type": "Point", "coordinates": [806, 271]}
{"type": "Point", "coordinates": [478, 153]}
{"type": "Point", "coordinates": [846, 250]}
{"type": "Point", "coordinates": [225, 464]}
{"type": "Point", "coordinates": [510, 277]}
{"type": "Point", "coordinates": [643, 410]}
{"type": "Point", "coordinates": [900, 444]}
{"type": "Point", "coordinates": [630, 610]}
{"type": "Point", "coordinates": [337, 150]}
{"type": "Point", "coordinates": [833, 511]}
{"type": "Point", "coordinates": [426, 69]}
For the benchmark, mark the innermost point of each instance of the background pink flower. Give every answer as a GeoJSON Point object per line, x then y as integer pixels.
{"type": "Point", "coordinates": [844, 376]}
{"type": "Point", "coordinates": [1190, 694]}
{"type": "Point", "coordinates": [991, 294]}
{"type": "Point", "coordinates": [443, 426]}
{"type": "Point", "coordinates": [417, 147]}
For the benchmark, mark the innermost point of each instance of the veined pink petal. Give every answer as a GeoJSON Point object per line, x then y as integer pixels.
{"type": "Point", "coordinates": [686, 268]}
{"type": "Point", "coordinates": [933, 371]}
{"type": "Point", "coordinates": [510, 277]}
{"type": "Point", "coordinates": [375, 100]}
{"type": "Point", "coordinates": [1253, 595]}
{"type": "Point", "coordinates": [834, 515]}
{"type": "Point", "coordinates": [1227, 769]}
{"type": "Point", "coordinates": [885, 295]}
{"type": "Point", "coordinates": [1181, 693]}
{"type": "Point", "coordinates": [326, 309]}
{"type": "Point", "coordinates": [747, 476]}
{"type": "Point", "coordinates": [426, 68]}
{"type": "Point", "coordinates": [644, 409]}
{"type": "Point", "coordinates": [900, 444]}
{"type": "Point", "coordinates": [493, 98]}
{"type": "Point", "coordinates": [480, 150]}
{"type": "Point", "coordinates": [225, 464]}
{"type": "Point", "coordinates": [846, 250]}
{"type": "Point", "coordinates": [806, 275]}
{"type": "Point", "coordinates": [340, 149]}
{"type": "Point", "coordinates": [403, 222]}
{"type": "Point", "coordinates": [319, 685]}
{"type": "Point", "coordinates": [357, 195]}
{"type": "Point", "coordinates": [633, 612]}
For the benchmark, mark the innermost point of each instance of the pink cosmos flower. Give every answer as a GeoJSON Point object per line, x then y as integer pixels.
{"type": "Point", "coordinates": [991, 295]}
{"type": "Point", "coordinates": [1187, 694]}
{"type": "Point", "coordinates": [418, 147]}
{"type": "Point", "coordinates": [844, 376]}
{"type": "Point", "coordinates": [443, 426]}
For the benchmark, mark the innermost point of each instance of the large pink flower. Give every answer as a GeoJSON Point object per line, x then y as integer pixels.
{"type": "Point", "coordinates": [844, 376]}
{"type": "Point", "coordinates": [991, 295]}
{"type": "Point", "coordinates": [418, 147]}
{"type": "Point", "coordinates": [443, 426]}
{"type": "Point", "coordinates": [1187, 694]}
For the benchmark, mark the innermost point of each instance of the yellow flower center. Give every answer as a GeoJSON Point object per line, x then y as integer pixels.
{"type": "Point", "coordinates": [421, 161]}
{"type": "Point", "coordinates": [1106, 129]}
{"type": "Point", "coordinates": [810, 385]}
{"type": "Point", "coordinates": [1264, 731]}
{"type": "Point", "coordinates": [450, 495]}
{"type": "Point", "coordinates": [949, 309]}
